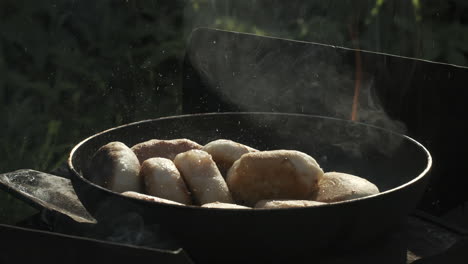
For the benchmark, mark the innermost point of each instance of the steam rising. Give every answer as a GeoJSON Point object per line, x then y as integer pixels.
{"type": "Point", "coordinates": [251, 73]}
{"type": "Point", "coordinates": [131, 229]}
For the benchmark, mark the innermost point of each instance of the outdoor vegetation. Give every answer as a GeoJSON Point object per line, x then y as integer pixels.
{"type": "Point", "coordinates": [71, 68]}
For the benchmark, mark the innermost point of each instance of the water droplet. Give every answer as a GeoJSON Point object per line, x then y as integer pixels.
{"type": "Point", "coordinates": [214, 41]}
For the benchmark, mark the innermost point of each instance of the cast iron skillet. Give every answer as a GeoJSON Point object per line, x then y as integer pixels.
{"type": "Point", "coordinates": [397, 164]}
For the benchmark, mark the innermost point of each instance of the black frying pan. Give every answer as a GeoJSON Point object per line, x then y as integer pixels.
{"type": "Point", "coordinates": [397, 164]}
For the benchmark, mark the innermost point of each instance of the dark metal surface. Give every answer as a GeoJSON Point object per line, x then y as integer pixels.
{"type": "Point", "coordinates": [46, 191]}
{"type": "Point", "coordinates": [396, 164]}
{"type": "Point", "coordinates": [23, 245]}
{"type": "Point", "coordinates": [425, 240]}
{"type": "Point", "coordinates": [433, 241]}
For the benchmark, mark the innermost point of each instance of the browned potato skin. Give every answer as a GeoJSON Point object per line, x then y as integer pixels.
{"type": "Point", "coordinates": [162, 179]}
{"type": "Point", "coordinates": [273, 204]}
{"type": "Point", "coordinates": [337, 186]}
{"type": "Point", "coordinates": [226, 152]}
{"type": "Point", "coordinates": [277, 174]}
{"type": "Point", "coordinates": [163, 148]}
{"type": "Point", "coordinates": [115, 166]}
{"type": "Point", "coordinates": [149, 198]}
{"type": "Point", "coordinates": [224, 205]}
{"type": "Point", "coordinates": [202, 177]}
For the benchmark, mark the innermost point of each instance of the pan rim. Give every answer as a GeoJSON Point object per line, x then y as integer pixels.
{"type": "Point", "coordinates": [421, 175]}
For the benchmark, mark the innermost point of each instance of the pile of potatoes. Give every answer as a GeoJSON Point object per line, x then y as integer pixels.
{"type": "Point", "coordinates": [221, 174]}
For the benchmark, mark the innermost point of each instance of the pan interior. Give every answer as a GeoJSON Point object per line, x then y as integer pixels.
{"type": "Point", "coordinates": [384, 158]}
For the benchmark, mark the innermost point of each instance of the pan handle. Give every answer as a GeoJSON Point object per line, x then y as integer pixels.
{"type": "Point", "coordinates": [45, 191]}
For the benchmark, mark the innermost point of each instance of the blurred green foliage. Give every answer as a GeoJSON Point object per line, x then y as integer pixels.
{"type": "Point", "coordinates": [71, 68]}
